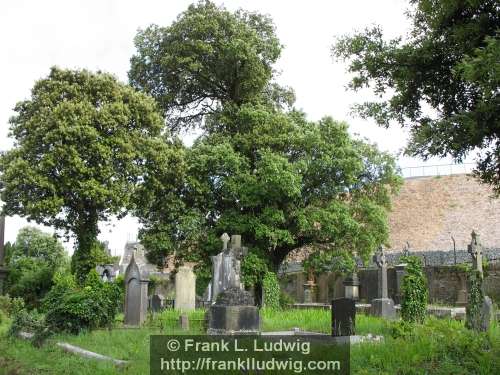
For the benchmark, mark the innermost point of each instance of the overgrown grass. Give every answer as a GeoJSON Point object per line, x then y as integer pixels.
{"type": "Point", "coordinates": [436, 347]}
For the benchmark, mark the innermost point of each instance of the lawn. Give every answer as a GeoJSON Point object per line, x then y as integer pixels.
{"type": "Point", "coordinates": [437, 347]}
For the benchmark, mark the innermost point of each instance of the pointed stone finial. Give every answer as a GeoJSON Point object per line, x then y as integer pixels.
{"type": "Point", "coordinates": [225, 239]}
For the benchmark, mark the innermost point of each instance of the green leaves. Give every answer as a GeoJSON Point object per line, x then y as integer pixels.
{"type": "Point", "coordinates": [81, 143]}
{"type": "Point", "coordinates": [207, 58]}
{"type": "Point", "coordinates": [441, 82]}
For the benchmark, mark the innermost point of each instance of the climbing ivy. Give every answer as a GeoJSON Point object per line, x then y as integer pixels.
{"type": "Point", "coordinates": [271, 289]}
{"type": "Point", "coordinates": [476, 299]}
{"type": "Point", "coordinates": [414, 291]}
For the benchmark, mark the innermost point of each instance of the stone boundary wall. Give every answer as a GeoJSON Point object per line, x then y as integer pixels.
{"type": "Point", "coordinates": [445, 283]}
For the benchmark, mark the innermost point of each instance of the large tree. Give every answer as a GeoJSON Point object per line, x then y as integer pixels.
{"type": "Point", "coordinates": [441, 81]}
{"type": "Point", "coordinates": [81, 143]}
{"type": "Point", "coordinates": [207, 58]}
{"type": "Point", "coordinates": [275, 178]}
{"type": "Point", "coordinates": [260, 168]}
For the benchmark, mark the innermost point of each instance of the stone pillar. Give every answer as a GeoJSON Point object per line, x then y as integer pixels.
{"type": "Point", "coordinates": [185, 289]}
{"type": "Point", "coordinates": [351, 285]}
{"type": "Point", "coordinates": [309, 292]}
{"type": "Point", "coordinates": [382, 306]}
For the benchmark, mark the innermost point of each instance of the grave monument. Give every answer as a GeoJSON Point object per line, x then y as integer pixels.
{"type": "Point", "coordinates": [136, 294]}
{"type": "Point", "coordinates": [383, 305]}
{"type": "Point", "coordinates": [233, 310]}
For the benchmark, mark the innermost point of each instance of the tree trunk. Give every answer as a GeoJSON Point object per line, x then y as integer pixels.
{"type": "Point", "coordinates": [86, 237]}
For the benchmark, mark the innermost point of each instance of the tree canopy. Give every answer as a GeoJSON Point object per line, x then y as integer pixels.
{"type": "Point", "coordinates": [441, 81]}
{"type": "Point", "coordinates": [260, 168]}
{"type": "Point", "coordinates": [33, 260]}
{"type": "Point", "coordinates": [278, 180]}
{"type": "Point", "coordinates": [207, 57]}
{"type": "Point", "coordinates": [81, 143]}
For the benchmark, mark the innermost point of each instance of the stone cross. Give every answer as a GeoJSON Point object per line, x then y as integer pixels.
{"type": "Point", "coordinates": [225, 240]}
{"type": "Point", "coordinates": [475, 249]}
{"type": "Point", "coordinates": [381, 261]}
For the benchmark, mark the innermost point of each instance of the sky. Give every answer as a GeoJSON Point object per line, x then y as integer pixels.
{"type": "Point", "coordinates": [98, 35]}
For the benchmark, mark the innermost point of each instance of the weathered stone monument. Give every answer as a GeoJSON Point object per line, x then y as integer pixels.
{"type": "Point", "coordinates": [233, 310]}
{"type": "Point", "coordinates": [480, 310]}
{"type": "Point", "coordinates": [351, 286]}
{"type": "Point", "coordinates": [383, 305]}
{"type": "Point", "coordinates": [185, 288]}
{"type": "Point", "coordinates": [343, 317]}
{"type": "Point", "coordinates": [226, 266]}
{"type": "Point", "coordinates": [310, 288]}
{"type": "Point", "coordinates": [3, 269]}
{"type": "Point", "coordinates": [136, 294]}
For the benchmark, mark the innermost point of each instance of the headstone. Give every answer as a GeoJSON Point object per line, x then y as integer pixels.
{"type": "Point", "coordinates": [185, 289]}
{"type": "Point", "coordinates": [233, 310]}
{"type": "Point", "coordinates": [481, 319]}
{"type": "Point", "coordinates": [226, 266]}
{"type": "Point", "coordinates": [351, 286]}
{"type": "Point", "coordinates": [3, 270]}
{"type": "Point", "coordinates": [184, 322]}
{"type": "Point", "coordinates": [383, 305]}
{"type": "Point", "coordinates": [157, 302]}
{"type": "Point", "coordinates": [475, 249]}
{"type": "Point", "coordinates": [136, 295]}
{"type": "Point", "coordinates": [343, 317]}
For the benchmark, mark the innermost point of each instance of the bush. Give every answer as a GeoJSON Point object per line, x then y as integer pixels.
{"type": "Point", "coordinates": [414, 291]}
{"type": "Point", "coordinates": [72, 308]}
{"type": "Point", "coordinates": [286, 300]}
{"type": "Point", "coordinates": [271, 289]}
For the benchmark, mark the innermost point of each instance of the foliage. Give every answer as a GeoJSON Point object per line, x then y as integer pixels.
{"type": "Point", "coordinates": [208, 57]}
{"type": "Point", "coordinates": [74, 308]}
{"type": "Point", "coordinates": [259, 169]}
{"type": "Point", "coordinates": [253, 269]}
{"type": "Point", "coordinates": [442, 81]}
{"type": "Point", "coordinates": [271, 290]}
{"type": "Point", "coordinates": [475, 300]}
{"type": "Point", "coordinates": [414, 291]}
{"type": "Point", "coordinates": [323, 261]}
{"type": "Point", "coordinates": [33, 260]}
{"type": "Point", "coordinates": [286, 300]}
{"type": "Point", "coordinates": [81, 143]}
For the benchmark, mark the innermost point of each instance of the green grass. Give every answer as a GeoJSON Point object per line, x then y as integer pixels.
{"type": "Point", "coordinates": [437, 347]}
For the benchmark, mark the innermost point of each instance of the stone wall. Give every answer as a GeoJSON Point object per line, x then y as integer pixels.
{"type": "Point", "coordinates": [444, 282]}
{"type": "Point", "coordinates": [429, 210]}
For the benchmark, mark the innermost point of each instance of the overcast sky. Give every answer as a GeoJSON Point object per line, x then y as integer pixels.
{"type": "Point", "coordinates": [98, 35]}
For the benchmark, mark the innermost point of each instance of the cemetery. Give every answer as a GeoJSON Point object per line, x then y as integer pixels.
{"type": "Point", "coordinates": [269, 226]}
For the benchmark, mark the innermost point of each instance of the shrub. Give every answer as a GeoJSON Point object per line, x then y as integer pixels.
{"type": "Point", "coordinates": [73, 308]}
{"type": "Point", "coordinates": [414, 291]}
{"type": "Point", "coordinates": [253, 268]}
{"type": "Point", "coordinates": [271, 289]}
{"type": "Point", "coordinates": [286, 300]}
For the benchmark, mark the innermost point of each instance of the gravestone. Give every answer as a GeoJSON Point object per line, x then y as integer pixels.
{"type": "Point", "coordinates": [226, 266]}
{"type": "Point", "coordinates": [343, 317]}
{"type": "Point", "coordinates": [185, 288]}
{"type": "Point", "coordinates": [383, 305]}
{"type": "Point", "coordinates": [184, 322]}
{"type": "Point", "coordinates": [481, 319]}
{"type": "Point", "coordinates": [157, 302]}
{"type": "Point", "coordinates": [233, 311]}
{"type": "Point", "coordinates": [136, 295]}
{"type": "Point", "coordinates": [3, 269]}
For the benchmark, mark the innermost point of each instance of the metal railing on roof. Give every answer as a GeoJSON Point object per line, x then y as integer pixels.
{"type": "Point", "coordinates": [437, 170]}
